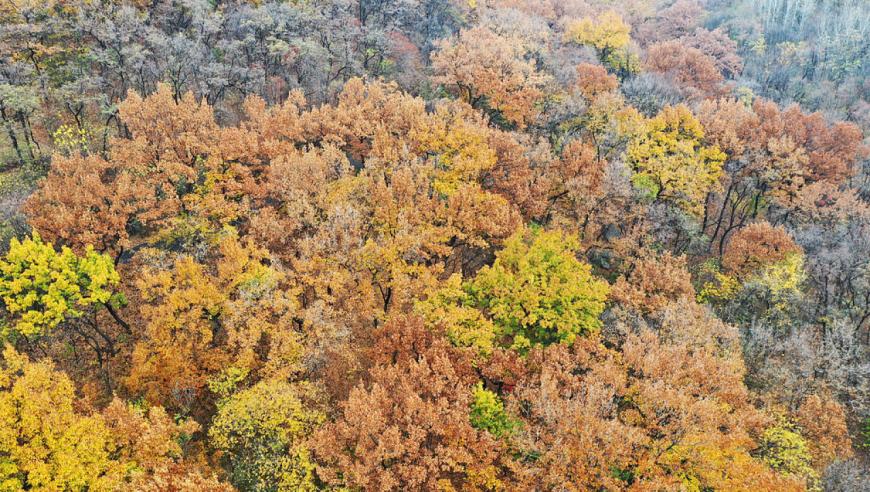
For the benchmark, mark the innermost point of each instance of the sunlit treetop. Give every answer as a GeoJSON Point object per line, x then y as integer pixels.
{"type": "Point", "coordinates": [538, 292]}
{"type": "Point", "coordinates": [606, 33]}
{"type": "Point", "coordinates": [51, 440]}
{"type": "Point", "coordinates": [671, 160]}
{"type": "Point", "coordinates": [41, 286]}
{"type": "Point", "coordinates": [45, 442]}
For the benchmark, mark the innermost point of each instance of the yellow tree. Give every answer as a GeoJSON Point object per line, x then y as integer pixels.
{"type": "Point", "coordinates": [262, 431]}
{"type": "Point", "coordinates": [49, 440]}
{"type": "Point", "coordinates": [536, 292]}
{"type": "Point", "coordinates": [672, 162]}
{"type": "Point", "coordinates": [609, 34]}
{"type": "Point", "coordinates": [457, 139]}
{"type": "Point", "coordinates": [45, 443]}
{"type": "Point", "coordinates": [606, 33]}
{"type": "Point", "coordinates": [201, 320]}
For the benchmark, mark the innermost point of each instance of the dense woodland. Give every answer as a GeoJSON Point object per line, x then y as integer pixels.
{"type": "Point", "coordinates": [452, 245]}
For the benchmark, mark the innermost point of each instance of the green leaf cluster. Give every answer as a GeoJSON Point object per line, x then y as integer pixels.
{"type": "Point", "coordinates": [40, 286]}
{"type": "Point", "coordinates": [488, 413]}
{"type": "Point", "coordinates": [538, 292]}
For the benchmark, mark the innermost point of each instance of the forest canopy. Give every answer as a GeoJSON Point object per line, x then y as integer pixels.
{"type": "Point", "coordinates": [453, 245]}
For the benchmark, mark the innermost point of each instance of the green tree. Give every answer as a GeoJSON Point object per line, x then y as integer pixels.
{"type": "Point", "coordinates": [488, 413]}
{"type": "Point", "coordinates": [40, 286]}
{"type": "Point", "coordinates": [538, 292]}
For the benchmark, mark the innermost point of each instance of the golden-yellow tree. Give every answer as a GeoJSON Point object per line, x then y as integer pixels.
{"type": "Point", "coordinates": [671, 160]}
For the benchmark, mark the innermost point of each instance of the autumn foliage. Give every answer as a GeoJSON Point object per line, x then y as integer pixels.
{"type": "Point", "coordinates": [453, 246]}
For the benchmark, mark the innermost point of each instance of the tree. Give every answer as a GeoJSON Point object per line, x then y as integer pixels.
{"type": "Point", "coordinates": [488, 413]}
{"type": "Point", "coordinates": [671, 160]}
{"type": "Point", "coordinates": [489, 70]}
{"type": "Point", "coordinates": [154, 446]}
{"type": "Point", "coordinates": [571, 436]}
{"type": "Point", "coordinates": [607, 33]}
{"type": "Point", "coordinates": [410, 425]}
{"type": "Point", "coordinates": [673, 22]}
{"type": "Point", "coordinates": [708, 443]}
{"type": "Point", "coordinates": [578, 186]}
{"type": "Point", "coordinates": [832, 149]}
{"type": "Point", "coordinates": [457, 138]}
{"type": "Point", "coordinates": [203, 319]}
{"type": "Point", "coordinates": [181, 477]}
{"type": "Point", "coordinates": [785, 450]}
{"type": "Point", "coordinates": [262, 431]}
{"type": "Point", "coordinates": [46, 443]}
{"type": "Point", "coordinates": [450, 309]}
{"type": "Point", "coordinates": [110, 203]}
{"type": "Point", "coordinates": [720, 48]}
{"type": "Point", "coordinates": [338, 278]}
{"type": "Point", "coordinates": [668, 410]}
{"type": "Point", "coordinates": [690, 68]}
{"type": "Point", "coordinates": [51, 440]}
{"type": "Point", "coordinates": [771, 161]}
{"type": "Point", "coordinates": [653, 282]}
{"type": "Point", "coordinates": [822, 420]}
{"type": "Point", "coordinates": [420, 185]}
{"type": "Point", "coordinates": [594, 79]}
{"type": "Point", "coordinates": [522, 173]}
{"type": "Point", "coordinates": [757, 246]}
{"type": "Point", "coordinates": [537, 292]}
{"type": "Point", "coordinates": [142, 183]}
{"type": "Point", "coordinates": [41, 287]}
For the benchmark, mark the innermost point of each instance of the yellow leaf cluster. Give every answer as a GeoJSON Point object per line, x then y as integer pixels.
{"type": "Point", "coordinates": [671, 160]}
{"type": "Point", "coordinates": [263, 430]}
{"type": "Point", "coordinates": [606, 33]}
{"type": "Point", "coordinates": [451, 308]}
{"type": "Point", "coordinates": [457, 141]}
{"type": "Point", "coordinates": [537, 292]}
{"type": "Point", "coordinates": [45, 443]}
{"type": "Point", "coordinates": [201, 321]}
